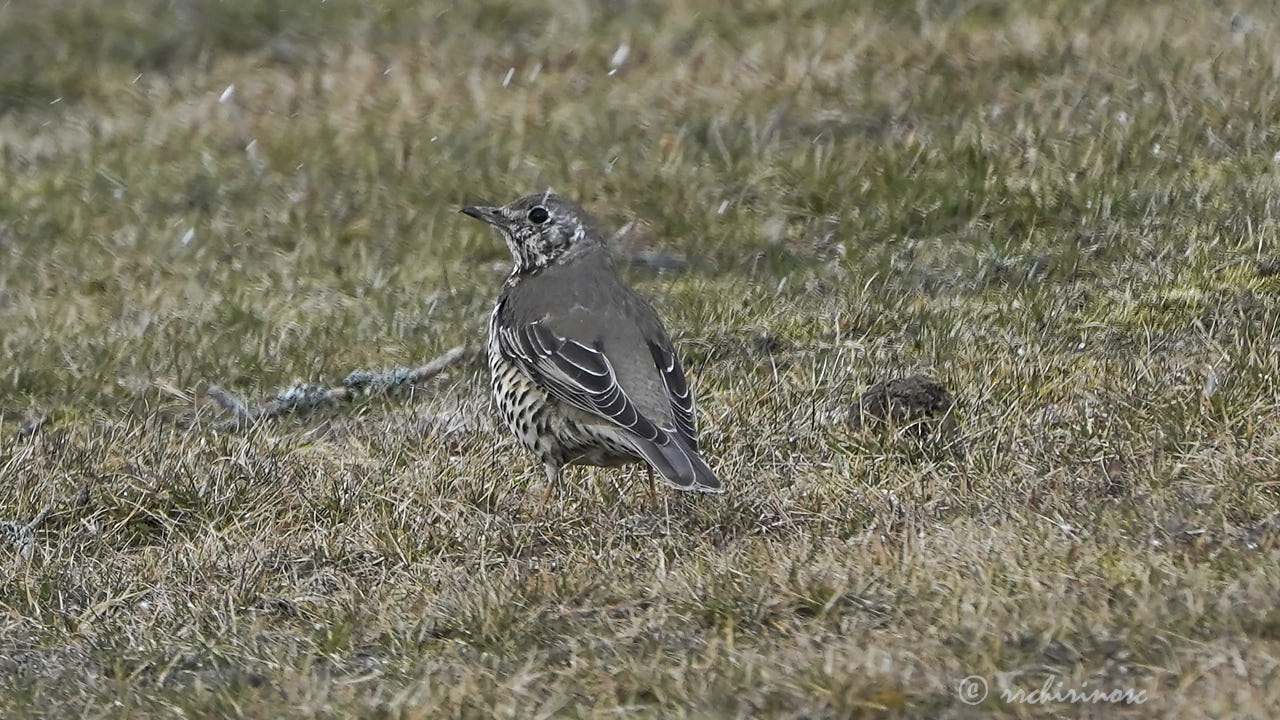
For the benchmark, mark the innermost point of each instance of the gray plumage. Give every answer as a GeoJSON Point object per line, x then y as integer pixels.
{"type": "Point", "coordinates": [582, 370]}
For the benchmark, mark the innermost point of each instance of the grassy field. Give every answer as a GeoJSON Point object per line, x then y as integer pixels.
{"type": "Point", "coordinates": [1064, 211]}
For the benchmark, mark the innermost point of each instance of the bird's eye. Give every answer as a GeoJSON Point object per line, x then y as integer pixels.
{"type": "Point", "coordinates": [538, 215]}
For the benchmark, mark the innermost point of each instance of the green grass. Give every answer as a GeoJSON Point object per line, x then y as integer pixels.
{"type": "Point", "coordinates": [1058, 209]}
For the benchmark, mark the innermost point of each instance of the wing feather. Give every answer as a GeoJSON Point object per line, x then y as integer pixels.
{"type": "Point", "coordinates": [577, 374]}
{"type": "Point", "coordinates": [678, 391]}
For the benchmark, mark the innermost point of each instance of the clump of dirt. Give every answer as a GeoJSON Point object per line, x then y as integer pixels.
{"type": "Point", "coordinates": [912, 400]}
{"type": "Point", "coordinates": [764, 343]}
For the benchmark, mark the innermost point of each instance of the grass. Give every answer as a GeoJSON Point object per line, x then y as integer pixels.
{"type": "Point", "coordinates": [1061, 210]}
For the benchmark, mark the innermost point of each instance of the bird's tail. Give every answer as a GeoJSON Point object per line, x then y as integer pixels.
{"type": "Point", "coordinates": [679, 465]}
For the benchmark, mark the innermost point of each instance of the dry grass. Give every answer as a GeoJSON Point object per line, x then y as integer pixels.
{"type": "Point", "coordinates": [1059, 209]}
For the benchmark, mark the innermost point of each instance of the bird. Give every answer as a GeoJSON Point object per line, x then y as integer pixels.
{"type": "Point", "coordinates": [582, 370]}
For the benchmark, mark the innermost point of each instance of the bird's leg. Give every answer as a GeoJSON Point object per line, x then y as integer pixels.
{"type": "Point", "coordinates": [553, 481]}
{"type": "Point", "coordinates": [653, 494]}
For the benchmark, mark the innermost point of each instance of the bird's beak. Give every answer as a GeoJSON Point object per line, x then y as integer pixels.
{"type": "Point", "coordinates": [491, 215]}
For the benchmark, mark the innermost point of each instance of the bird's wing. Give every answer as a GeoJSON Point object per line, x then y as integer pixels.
{"type": "Point", "coordinates": [678, 391]}
{"type": "Point", "coordinates": [581, 375]}
{"type": "Point", "coordinates": [577, 374]}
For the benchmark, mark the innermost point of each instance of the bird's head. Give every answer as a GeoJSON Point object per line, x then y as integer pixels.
{"type": "Point", "coordinates": [540, 229]}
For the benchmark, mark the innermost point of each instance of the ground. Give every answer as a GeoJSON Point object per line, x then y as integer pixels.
{"type": "Point", "coordinates": [1064, 212]}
